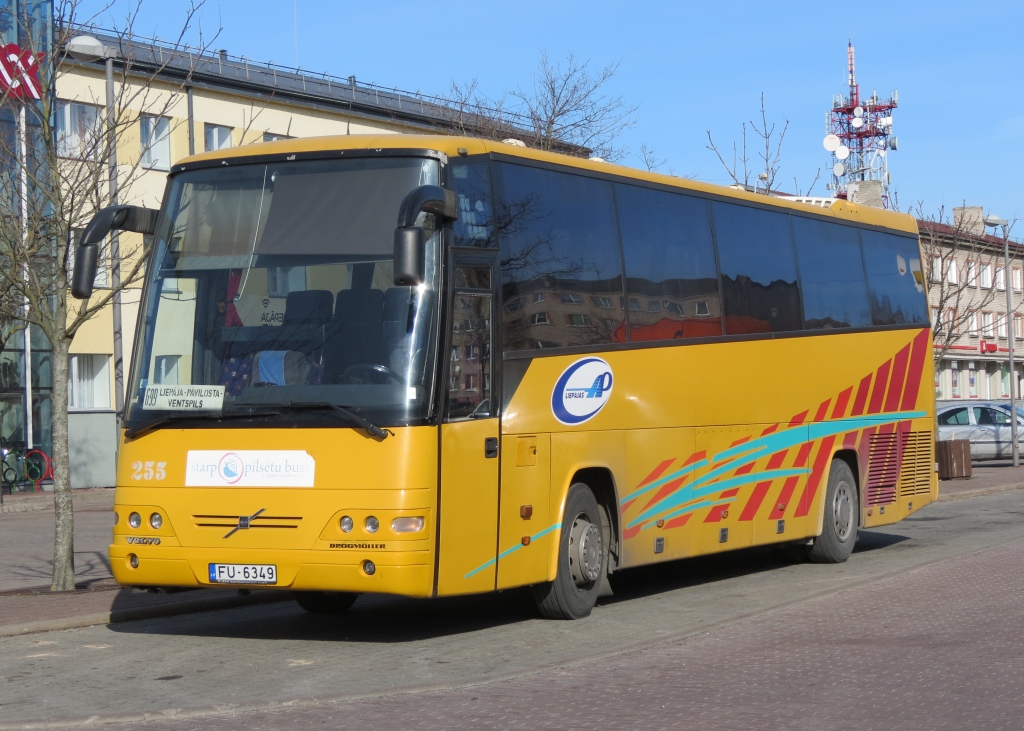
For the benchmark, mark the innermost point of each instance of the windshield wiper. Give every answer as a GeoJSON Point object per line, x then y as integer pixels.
{"type": "Point", "coordinates": [135, 431]}
{"type": "Point", "coordinates": [372, 429]}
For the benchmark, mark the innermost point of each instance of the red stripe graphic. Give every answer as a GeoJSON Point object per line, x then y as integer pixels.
{"type": "Point", "coordinates": [715, 514]}
{"type": "Point", "coordinates": [899, 373]}
{"type": "Point", "coordinates": [862, 396]}
{"type": "Point", "coordinates": [678, 522]}
{"type": "Point", "coordinates": [917, 361]}
{"type": "Point", "coordinates": [881, 381]}
{"type": "Point", "coordinates": [810, 489]}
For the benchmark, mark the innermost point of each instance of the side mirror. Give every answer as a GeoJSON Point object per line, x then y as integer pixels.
{"type": "Point", "coordinates": [112, 218]}
{"type": "Point", "coordinates": [409, 262]}
{"type": "Point", "coordinates": [409, 257]}
{"type": "Point", "coordinates": [86, 260]}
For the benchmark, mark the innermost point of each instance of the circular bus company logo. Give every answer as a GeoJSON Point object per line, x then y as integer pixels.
{"type": "Point", "coordinates": [581, 391]}
{"type": "Point", "coordinates": [231, 468]}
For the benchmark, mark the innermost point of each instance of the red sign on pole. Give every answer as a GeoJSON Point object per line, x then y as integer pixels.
{"type": "Point", "coordinates": [19, 73]}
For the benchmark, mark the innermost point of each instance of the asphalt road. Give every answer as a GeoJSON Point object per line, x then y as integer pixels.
{"type": "Point", "coordinates": [740, 640]}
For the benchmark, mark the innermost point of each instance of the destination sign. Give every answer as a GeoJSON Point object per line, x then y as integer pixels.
{"type": "Point", "coordinates": [184, 398]}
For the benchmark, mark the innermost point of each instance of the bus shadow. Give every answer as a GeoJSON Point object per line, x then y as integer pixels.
{"type": "Point", "coordinates": [371, 620]}
{"type": "Point", "coordinates": [689, 572]}
{"type": "Point", "coordinates": [386, 620]}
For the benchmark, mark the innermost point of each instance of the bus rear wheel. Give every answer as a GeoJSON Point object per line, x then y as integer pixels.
{"type": "Point", "coordinates": [842, 511]}
{"type": "Point", "coordinates": [325, 602]}
{"type": "Point", "coordinates": [582, 560]}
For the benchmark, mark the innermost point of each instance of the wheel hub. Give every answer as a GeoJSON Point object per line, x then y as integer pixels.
{"type": "Point", "coordinates": [585, 551]}
{"type": "Point", "coordinates": [842, 509]}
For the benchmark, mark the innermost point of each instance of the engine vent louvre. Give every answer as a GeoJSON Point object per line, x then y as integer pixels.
{"type": "Point", "coordinates": [918, 463]}
{"type": "Point", "coordinates": [883, 469]}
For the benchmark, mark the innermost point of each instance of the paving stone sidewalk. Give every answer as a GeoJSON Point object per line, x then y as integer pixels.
{"type": "Point", "coordinates": [26, 535]}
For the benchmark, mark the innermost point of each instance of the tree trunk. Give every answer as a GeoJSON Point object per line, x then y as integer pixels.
{"type": "Point", "coordinates": [64, 517]}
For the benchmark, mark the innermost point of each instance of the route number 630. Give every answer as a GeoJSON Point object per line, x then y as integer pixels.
{"type": "Point", "coordinates": [149, 470]}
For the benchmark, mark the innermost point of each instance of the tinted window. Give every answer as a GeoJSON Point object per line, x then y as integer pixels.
{"type": "Point", "coordinates": [831, 274]}
{"type": "Point", "coordinates": [670, 265]}
{"type": "Point", "coordinates": [895, 279]}
{"type": "Point", "coordinates": [755, 252]}
{"type": "Point", "coordinates": [558, 240]}
{"type": "Point", "coordinates": [954, 417]}
{"type": "Point", "coordinates": [472, 183]}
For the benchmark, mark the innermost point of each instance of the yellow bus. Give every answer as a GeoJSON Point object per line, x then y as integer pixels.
{"type": "Point", "coordinates": [434, 366]}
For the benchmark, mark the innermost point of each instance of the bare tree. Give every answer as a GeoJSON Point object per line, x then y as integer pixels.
{"type": "Point", "coordinates": [57, 178]}
{"type": "Point", "coordinates": [566, 109]}
{"type": "Point", "coordinates": [769, 154]}
{"type": "Point", "coordinates": [955, 262]}
{"type": "Point", "coordinates": [649, 158]}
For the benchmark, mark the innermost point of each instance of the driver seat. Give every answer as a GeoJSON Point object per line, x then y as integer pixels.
{"type": "Point", "coordinates": [356, 333]}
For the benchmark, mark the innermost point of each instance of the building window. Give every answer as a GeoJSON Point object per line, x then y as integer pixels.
{"type": "Point", "coordinates": [1000, 279]}
{"type": "Point", "coordinates": [986, 276]}
{"type": "Point", "coordinates": [604, 302]}
{"type": "Point", "coordinates": [570, 298]}
{"type": "Point", "coordinates": [936, 272]}
{"type": "Point", "coordinates": [653, 306]}
{"type": "Point", "coordinates": [952, 274]}
{"type": "Point", "coordinates": [166, 369]}
{"type": "Point", "coordinates": [88, 382]}
{"type": "Point", "coordinates": [578, 320]}
{"type": "Point", "coordinates": [79, 130]}
{"type": "Point", "coordinates": [986, 325]}
{"type": "Point", "coordinates": [156, 142]}
{"type": "Point", "coordinates": [539, 318]}
{"type": "Point", "coordinates": [538, 297]}
{"type": "Point", "coordinates": [1001, 326]}
{"type": "Point", "coordinates": [1015, 278]}
{"type": "Point", "coordinates": [955, 374]}
{"type": "Point", "coordinates": [514, 305]}
{"type": "Point", "coordinates": [972, 273]}
{"type": "Point", "coordinates": [217, 137]}
{"type": "Point", "coordinates": [972, 324]}
{"type": "Point", "coordinates": [1004, 380]}
{"type": "Point", "coordinates": [951, 323]}
{"type": "Point", "coordinates": [282, 280]}
{"type": "Point", "coordinates": [470, 381]}
{"type": "Point", "coordinates": [1018, 327]}
{"type": "Point", "coordinates": [702, 308]}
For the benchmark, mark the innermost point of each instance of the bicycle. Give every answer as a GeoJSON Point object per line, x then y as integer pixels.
{"type": "Point", "coordinates": [17, 470]}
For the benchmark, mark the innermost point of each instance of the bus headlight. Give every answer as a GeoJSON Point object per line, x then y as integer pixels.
{"type": "Point", "coordinates": [134, 520]}
{"type": "Point", "coordinates": [372, 524]}
{"type": "Point", "coordinates": [346, 524]}
{"type": "Point", "coordinates": [407, 525]}
{"type": "Point", "coordinates": [156, 520]}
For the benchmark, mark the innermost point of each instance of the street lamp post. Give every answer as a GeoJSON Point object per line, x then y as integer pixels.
{"type": "Point", "coordinates": [996, 222]}
{"type": "Point", "coordinates": [90, 49]}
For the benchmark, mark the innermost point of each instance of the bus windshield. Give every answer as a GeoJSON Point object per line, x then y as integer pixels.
{"type": "Point", "coordinates": [271, 291]}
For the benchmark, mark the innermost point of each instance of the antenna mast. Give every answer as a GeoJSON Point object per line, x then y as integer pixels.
{"type": "Point", "coordinates": [859, 138]}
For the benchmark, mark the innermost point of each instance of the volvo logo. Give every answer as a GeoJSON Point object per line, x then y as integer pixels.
{"type": "Point", "coordinates": [143, 540]}
{"type": "Point", "coordinates": [244, 521]}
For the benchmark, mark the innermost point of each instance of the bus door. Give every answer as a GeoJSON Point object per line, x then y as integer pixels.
{"type": "Point", "coordinates": [468, 520]}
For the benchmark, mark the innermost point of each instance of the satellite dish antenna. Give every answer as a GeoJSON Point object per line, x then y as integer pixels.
{"type": "Point", "coordinates": [839, 170]}
{"type": "Point", "coordinates": [842, 152]}
{"type": "Point", "coordinates": [831, 143]}
{"type": "Point", "coordinates": [858, 112]}
{"type": "Point", "coordinates": [857, 122]}
{"type": "Point", "coordinates": [892, 144]}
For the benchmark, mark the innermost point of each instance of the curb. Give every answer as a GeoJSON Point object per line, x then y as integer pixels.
{"type": "Point", "coordinates": [978, 492]}
{"type": "Point", "coordinates": [82, 499]}
{"type": "Point", "coordinates": [170, 609]}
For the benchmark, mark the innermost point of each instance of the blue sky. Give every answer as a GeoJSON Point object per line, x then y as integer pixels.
{"type": "Point", "coordinates": [692, 67]}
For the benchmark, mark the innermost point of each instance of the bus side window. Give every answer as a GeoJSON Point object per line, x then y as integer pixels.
{"type": "Point", "coordinates": [759, 283]}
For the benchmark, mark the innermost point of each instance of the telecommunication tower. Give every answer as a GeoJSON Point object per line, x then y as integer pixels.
{"type": "Point", "coordinates": [859, 138]}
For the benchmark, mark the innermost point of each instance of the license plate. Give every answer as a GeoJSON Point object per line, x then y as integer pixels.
{"type": "Point", "coordinates": [243, 573]}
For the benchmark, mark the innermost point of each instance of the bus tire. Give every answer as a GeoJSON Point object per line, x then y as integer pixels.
{"type": "Point", "coordinates": [842, 512]}
{"type": "Point", "coordinates": [582, 560]}
{"type": "Point", "coordinates": [325, 602]}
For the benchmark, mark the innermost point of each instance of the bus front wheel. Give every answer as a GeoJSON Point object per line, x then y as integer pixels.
{"type": "Point", "coordinates": [582, 560]}
{"type": "Point", "coordinates": [842, 511]}
{"type": "Point", "coordinates": [325, 602]}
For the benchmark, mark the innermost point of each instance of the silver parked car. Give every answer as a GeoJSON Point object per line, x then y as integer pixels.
{"type": "Point", "coordinates": [985, 423]}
